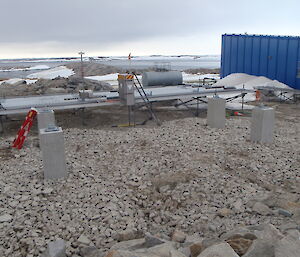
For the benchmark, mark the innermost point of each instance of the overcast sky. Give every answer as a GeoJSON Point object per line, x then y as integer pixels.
{"type": "Point", "coordinates": [52, 28]}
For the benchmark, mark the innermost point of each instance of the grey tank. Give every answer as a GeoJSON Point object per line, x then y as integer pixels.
{"type": "Point", "coordinates": [162, 78]}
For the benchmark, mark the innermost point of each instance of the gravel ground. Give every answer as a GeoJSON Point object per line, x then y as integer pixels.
{"type": "Point", "coordinates": [181, 175]}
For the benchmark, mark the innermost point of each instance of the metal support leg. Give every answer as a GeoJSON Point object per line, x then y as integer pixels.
{"type": "Point", "coordinates": [129, 114]}
{"type": "Point", "coordinates": [145, 98]}
{"type": "Point", "coordinates": [133, 115]}
{"type": "Point", "coordinates": [1, 125]}
{"type": "Point", "coordinates": [243, 99]}
{"type": "Point", "coordinates": [82, 117]}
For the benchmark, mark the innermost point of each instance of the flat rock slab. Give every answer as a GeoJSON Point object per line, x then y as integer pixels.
{"type": "Point", "coordinates": [262, 209]}
{"type": "Point", "coordinates": [288, 247]}
{"type": "Point", "coordinates": [84, 240]}
{"type": "Point", "coordinates": [219, 250]}
{"type": "Point", "coordinates": [6, 218]}
{"type": "Point", "coordinates": [56, 249]}
{"type": "Point", "coordinates": [260, 248]}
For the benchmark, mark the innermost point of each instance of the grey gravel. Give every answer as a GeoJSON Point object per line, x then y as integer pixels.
{"type": "Point", "coordinates": [176, 176]}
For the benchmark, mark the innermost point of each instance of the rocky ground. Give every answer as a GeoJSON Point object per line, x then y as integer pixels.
{"type": "Point", "coordinates": [93, 68]}
{"type": "Point", "coordinates": [181, 178]}
{"type": "Point", "coordinates": [52, 86]}
{"type": "Point", "coordinates": [62, 85]}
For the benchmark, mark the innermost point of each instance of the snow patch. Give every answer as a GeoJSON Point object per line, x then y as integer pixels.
{"type": "Point", "coordinates": [189, 78]}
{"type": "Point", "coordinates": [112, 78]}
{"type": "Point", "coordinates": [17, 80]}
{"type": "Point", "coordinates": [108, 77]}
{"type": "Point", "coordinates": [39, 67]}
{"type": "Point", "coordinates": [36, 67]}
{"type": "Point", "coordinates": [60, 71]}
{"type": "Point", "coordinates": [239, 80]}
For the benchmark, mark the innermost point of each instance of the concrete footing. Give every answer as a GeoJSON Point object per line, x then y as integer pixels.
{"type": "Point", "coordinates": [53, 153]}
{"type": "Point", "coordinates": [216, 115]}
{"type": "Point", "coordinates": [262, 125]}
{"type": "Point", "coordinates": [45, 118]}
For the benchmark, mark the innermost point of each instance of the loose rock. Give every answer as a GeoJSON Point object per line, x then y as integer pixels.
{"type": "Point", "coordinates": [56, 249]}
{"type": "Point", "coordinates": [261, 209]}
{"type": "Point", "coordinates": [6, 218]}
{"type": "Point", "coordinates": [84, 240]}
{"type": "Point", "coordinates": [178, 236]}
{"type": "Point", "coordinates": [219, 250]}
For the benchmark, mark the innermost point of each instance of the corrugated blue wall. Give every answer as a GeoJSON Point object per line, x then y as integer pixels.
{"type": "Point", "coordinates": [274, 57]}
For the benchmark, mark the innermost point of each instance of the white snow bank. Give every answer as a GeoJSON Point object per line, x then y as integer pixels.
{"type": "Point", "coordinates": [39, 67]}
{"type": "Point", "coordinates": [239, 80]}
{"type": "Point", "coordinates": [251, 82]}
{"type": "Point", "coordinates": [108, 77]}
{"type": "Point", "coordinates": [11, 81]}
{"type": "Point", "coordinates": [234, 79]}
{"type": "Point", "coordinates": [112, 78]}
{"type": "Point", "coordinates": [189, 78]}
{"type": "Point", "coordinates": [16, 80]}
{"type": "Point", "coordinates": [60, 71]}
{"type": "Point", "coordinates": [36, 67]}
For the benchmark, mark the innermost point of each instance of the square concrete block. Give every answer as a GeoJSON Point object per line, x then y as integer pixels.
{"type": "Point", "coordinates": [216, 114]}
{"type": "Point", "coordinates": [53, 153]}
{"type": "Point", "coordinates": [262, 124]}
{"type": "Point", "coordinates": [45, 118]}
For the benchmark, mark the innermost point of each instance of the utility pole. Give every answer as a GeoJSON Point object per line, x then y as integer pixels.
{"type": "Point", "coordinates": [81, 61]}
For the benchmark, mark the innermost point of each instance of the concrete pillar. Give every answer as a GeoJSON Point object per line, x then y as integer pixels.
{"type": "Point", "coordinates": [45, 118]}
{"type": "Point", "coordinates": [262, 125]}
{"type": "Point", "coordinates": [53, 152]}
{"type": "Point", "coordinates": [216, 115]}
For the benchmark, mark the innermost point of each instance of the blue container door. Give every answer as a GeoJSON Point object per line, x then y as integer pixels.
{"type": "Point", "coordinates": [292, 59]}
{"type": "Point", "coordinates": [272, 58]}
{"type": "Point", "coordinates": [298, 76]}
{"type": "Point", "coordinates": [264, 56]}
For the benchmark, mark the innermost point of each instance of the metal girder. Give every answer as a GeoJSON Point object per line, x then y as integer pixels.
{"type": "Point", "coordinates": [18, 105]}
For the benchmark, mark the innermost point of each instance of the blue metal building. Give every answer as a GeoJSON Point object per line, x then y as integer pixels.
{"type": "Point", "coordinates": [275, 57]}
